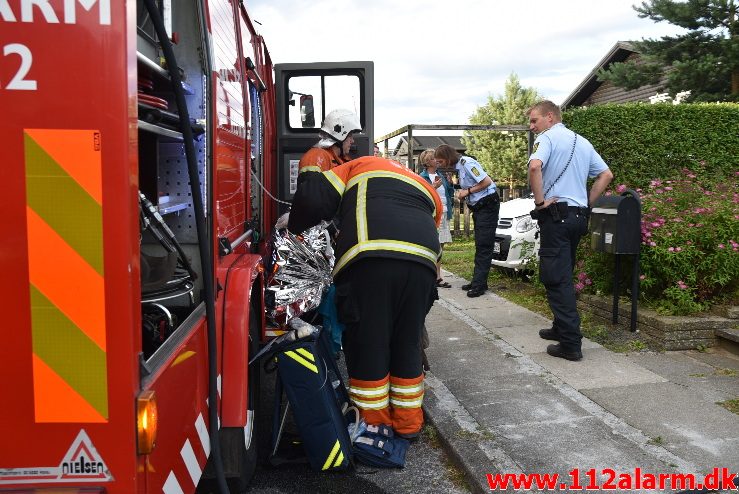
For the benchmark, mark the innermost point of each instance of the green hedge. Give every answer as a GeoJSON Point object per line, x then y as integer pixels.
{"type": "Point", "coordinates": [684, 162]}
{"type": "Point", "coordinates": [641, 142]}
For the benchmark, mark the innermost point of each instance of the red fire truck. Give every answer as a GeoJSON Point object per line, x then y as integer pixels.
{"type": "Point", "coordinates": [148, 147]}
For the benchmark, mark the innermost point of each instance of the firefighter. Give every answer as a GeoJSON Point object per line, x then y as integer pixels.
{"type": "Point", "coordinates": [336, 140]}
{"type": "Point", "coordinates": [385, 278]}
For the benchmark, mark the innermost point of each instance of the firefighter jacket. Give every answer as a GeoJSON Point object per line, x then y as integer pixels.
{"type": "Point", "coordinates": [385, 210]}
{"type": "Point", "coordinates": [319, 160]}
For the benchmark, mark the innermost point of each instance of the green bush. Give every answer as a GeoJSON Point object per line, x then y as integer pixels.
{"type": "Point", "coordinates": [641, 142]}
{"type": "Point", "coordinates": [683, 161]}
{"type": "Point", "coordinates": [690, 246]}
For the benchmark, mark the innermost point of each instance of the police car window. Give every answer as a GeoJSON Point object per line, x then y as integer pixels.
{"type": "Point", "coordinates": [307, 107]}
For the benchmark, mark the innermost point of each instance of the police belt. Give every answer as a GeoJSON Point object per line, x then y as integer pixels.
{"type": "Point", "coordinates": [488, 199]}
{"type": "Point", "coordinates": [558, 211]}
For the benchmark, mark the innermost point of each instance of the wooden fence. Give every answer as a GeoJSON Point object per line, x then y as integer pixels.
{"type": "Point", "coordinates": [461, 224]}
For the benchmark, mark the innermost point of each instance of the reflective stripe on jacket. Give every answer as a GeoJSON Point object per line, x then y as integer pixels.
{"type": "Point", "coordinates": [385, 210]}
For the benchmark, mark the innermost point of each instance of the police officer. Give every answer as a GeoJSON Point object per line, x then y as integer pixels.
{"type": "Point", "coordinates": [559, 169]}
{"type": "Point", "coordinates": [479, 190]}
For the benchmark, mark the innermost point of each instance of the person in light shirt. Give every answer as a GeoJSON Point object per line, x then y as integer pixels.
{"type": "Point", "coordinates": [559, 167]}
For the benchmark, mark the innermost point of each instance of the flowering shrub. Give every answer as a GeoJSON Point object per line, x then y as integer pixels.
{"type": "Point", "coordinates": [690, 245]}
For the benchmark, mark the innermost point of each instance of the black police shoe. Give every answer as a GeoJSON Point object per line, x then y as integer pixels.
{"type": "Point", "coordinates": [549, 334]}
{"type": "Point", "coordinates": [476, 291]}
{"type": "Point", "coordinates": [557, 351]}
{"type": "Point", "coordinates": [466, 286]}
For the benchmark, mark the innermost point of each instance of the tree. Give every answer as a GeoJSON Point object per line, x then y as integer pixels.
{"type": "Point", "coordinates": [503, 154]}
{"type": "Point", "coordinates": [705, 60]}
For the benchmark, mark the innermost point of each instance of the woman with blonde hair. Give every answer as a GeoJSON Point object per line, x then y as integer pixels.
{"type": "Point", "coordinates": [446, 193]}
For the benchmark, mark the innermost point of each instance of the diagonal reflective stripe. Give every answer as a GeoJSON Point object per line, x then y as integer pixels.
{"type": "Point", "coordinates": [69, 352]}
{"type": "Point", "coordinates": [305, 353]}
{"type": "Point", "coordinates": [334, 180]}
{"type": "Point", "coordinates": [339, 459]}
{"type": "Point", "coordinates": [392, 245]}
{"type": "Point", "coordinates": [362, 234]}
{"type": "Point", "coordinates": [64, 204]}
{"type": "Point", "coordinates": [301, 361]}
{"type": "Point", "coordinates": [331, 456]}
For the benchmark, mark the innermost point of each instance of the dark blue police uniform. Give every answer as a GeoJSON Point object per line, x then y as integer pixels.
{"type": "Point", "coordinates": [485, 206]}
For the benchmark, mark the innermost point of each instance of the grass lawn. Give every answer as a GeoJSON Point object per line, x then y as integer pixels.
{"type": "Point", "coordinates": [459, 258]}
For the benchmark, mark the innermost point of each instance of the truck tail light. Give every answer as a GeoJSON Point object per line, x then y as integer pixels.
{"type": "Point", "coordinates": [146, 422]}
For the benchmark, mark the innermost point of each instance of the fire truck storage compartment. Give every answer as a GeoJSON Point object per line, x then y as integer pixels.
{"type": "Point", "coordinates": [168, 293]}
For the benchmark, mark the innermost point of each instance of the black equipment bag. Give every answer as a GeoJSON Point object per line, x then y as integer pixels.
{"type": "Point", "coordinates": [315, 391]}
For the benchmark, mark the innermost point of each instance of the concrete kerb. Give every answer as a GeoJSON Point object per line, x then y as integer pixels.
{"type": "Point", "coordinates": [465, 439]}
{"type": "Point", "coordinates": [459, 434]}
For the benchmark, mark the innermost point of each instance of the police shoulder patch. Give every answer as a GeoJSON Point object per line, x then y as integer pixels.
{"type": "Point", "coordinates": [536, 146]}
{"type": "Point", "coordinates": [475, 171]}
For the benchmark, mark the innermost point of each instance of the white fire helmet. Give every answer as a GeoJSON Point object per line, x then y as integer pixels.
{"type": "Point", "coordinates": [338, 124]}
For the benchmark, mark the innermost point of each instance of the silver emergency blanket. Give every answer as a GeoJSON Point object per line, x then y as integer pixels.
{"type": "Point", "coordinates": [301, 272]}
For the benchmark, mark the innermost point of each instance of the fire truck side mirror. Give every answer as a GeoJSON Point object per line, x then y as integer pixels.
{"type": "Point", "coordinates": [307, 117]}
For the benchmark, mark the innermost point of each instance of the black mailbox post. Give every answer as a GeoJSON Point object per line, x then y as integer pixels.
{"type": "Point", "coordinates": [615, 225]}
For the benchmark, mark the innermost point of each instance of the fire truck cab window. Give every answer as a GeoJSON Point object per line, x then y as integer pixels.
{"type": "Point", "coordinates": [312, 97]}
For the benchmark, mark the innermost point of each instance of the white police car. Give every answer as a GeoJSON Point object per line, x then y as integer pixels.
{"type": "Point", "coordinates": [517, 235]}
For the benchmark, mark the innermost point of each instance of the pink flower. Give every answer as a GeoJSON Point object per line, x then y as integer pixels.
{"type": "Point", "coordinates": [652, 244]}
{"type": "Point", "coordinates": [678, 249]}
{"type": "Point", "coordinates": [642, 277]}
{"type": "Point", "coordinates": [620, 188]}
{"type": "Point", "coordinates": [708, 192]}
{"type": "Point", "coordinates": [588, 281]}
{"type": "Point", "coordinates": [682, 285]}
{"type": "Point", "coordinates": [655, 183]}
{"type": "Point", "coordinates": [721, 246]}
{"type": "Point", "coordinates": [668, 188]}
{"type": "Point", "coordinates": [579, 287]}
{"type": "Point", "coordinates": [671, 249]}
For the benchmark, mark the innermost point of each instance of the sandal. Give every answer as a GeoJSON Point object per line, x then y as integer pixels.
{"type": "Point", "coordinates": [442, 284]}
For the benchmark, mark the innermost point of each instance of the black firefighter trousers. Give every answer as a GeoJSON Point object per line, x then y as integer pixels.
{"type": "Point", "coordinates": [383, 302]}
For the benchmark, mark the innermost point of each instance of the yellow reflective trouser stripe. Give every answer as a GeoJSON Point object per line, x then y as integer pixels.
{"type": "Point", "coordinates": [339, 459]}
{"type": "Point", "coordinates": [398, 403]}
{"type": "Point", "coordinates": [305, 353]}
{"type": "Point", "coordinates": [331, 456]}
{"type": "Point", "coordinates": [301, 360]}
{"type": "Point", "coordinates": [406, 390]}
{"type": "Point", "coordinates": [310, 169]}
{"type": "Point", "coordinates": [367, 405]}
{"type": "Point", "coordinates": [334, 180]}
{"type": "Point", "coordinates": [392, 245]}
{"type": "Point", "coordinates": [378, 391]}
